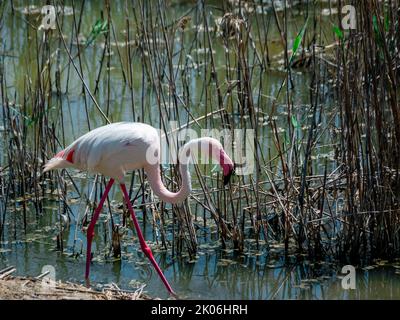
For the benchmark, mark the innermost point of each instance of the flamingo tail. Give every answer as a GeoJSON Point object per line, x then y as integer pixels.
{"type": "Point", "coordinates": [56, 163]}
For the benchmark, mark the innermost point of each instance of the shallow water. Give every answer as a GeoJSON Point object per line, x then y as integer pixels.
{"type": "Point", "coordinates": [215, 273]}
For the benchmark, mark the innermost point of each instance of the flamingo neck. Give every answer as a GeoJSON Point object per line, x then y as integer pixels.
{"type": "Point", "coordinates": [154, 178]}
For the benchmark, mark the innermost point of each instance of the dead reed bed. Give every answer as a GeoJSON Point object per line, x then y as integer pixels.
{"type": "Point", "coordinates": [321, 102]}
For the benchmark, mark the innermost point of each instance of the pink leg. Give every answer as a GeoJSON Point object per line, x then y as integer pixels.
{"type": "Point", "coordinates": [90, 230]}
{"type": "Point", "coordinates": [143, 245]}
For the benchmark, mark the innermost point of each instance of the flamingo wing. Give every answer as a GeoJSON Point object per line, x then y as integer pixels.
{"type": "Point", "coordinates": [114, 148]}
{"type": "Point", "coordinates": [110, 149]}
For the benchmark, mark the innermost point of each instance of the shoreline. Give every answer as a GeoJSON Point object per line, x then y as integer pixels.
{"type": "Point", "coordinates": [28, 288]}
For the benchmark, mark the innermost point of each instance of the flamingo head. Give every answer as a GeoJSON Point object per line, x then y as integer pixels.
{"type": "Point", "coordinates": [227, 165]}
{"type": "Point", "coordinates": [211, 147]}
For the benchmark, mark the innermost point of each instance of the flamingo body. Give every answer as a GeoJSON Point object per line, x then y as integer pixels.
{"type": "Point", "coordinates": [110, 150]}
{"type": "Point", "coordinates": [119, 147]}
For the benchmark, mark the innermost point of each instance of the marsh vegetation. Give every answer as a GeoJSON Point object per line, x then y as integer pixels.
{"type": "Point", "coordinates": [319, 101]}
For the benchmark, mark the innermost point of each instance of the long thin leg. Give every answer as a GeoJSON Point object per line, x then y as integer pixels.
{"type": "Point", "coordinates": [143, 245]}
{"type": "Point", "coordinates": [90, 230]}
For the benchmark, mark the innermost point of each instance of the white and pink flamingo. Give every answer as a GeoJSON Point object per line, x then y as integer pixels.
{"type": "Point", "coordinates": [113, 149]}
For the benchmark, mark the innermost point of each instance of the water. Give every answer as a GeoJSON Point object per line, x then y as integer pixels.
{"type": "Point", "coordinates": [216, 274]}
{"type": "Point", "coordinates": [257, 273]}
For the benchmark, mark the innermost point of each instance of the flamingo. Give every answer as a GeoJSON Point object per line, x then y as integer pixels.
{"type": "Point", "coordinates": [113, 149]}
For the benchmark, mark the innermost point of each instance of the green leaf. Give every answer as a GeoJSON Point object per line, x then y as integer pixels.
{"type": "Point", "coordinates": [375, 24]}
{"type": "Point", "coordinates": [387, 22]}
{"type": "Point", "coordinates": [378, 36]}
{"type": "Point", "coordinates": [297, 41]}
{"type": "Point", "coordinates": [338, 32]}
{"type": "Point", "coordinates": [99, 27]}
{"type": "Point", "coordinates": [294, 122]}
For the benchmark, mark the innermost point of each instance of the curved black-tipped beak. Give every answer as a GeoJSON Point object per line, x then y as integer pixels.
{"type": "Point", "coordinates": [227, 178]}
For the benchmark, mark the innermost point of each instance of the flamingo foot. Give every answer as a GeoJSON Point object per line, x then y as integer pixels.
{"type": "Point", "coordinates": [87, 280]}
{"type": "Point", "coordinates": [149, 254]}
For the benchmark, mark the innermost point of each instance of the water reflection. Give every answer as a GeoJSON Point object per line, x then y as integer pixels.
{"type": "Point", "coordinates": [215, 274]}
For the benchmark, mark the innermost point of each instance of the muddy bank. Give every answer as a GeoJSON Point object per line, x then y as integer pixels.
{"type": "Point", "coordinates": [23, 288]}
